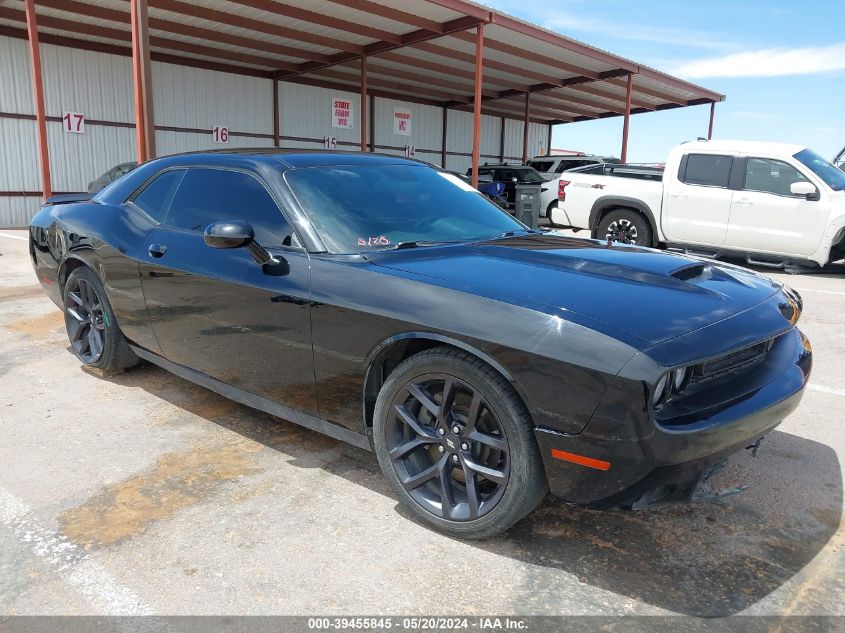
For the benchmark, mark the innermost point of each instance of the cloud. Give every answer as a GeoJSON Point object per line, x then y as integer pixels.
{"type": "Point", "coordinates": [770, 62]}
{"type": "Point", "coordinates": [689, 38]}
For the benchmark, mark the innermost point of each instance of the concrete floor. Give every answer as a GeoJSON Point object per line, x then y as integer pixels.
{"type": "Point", "coordinates": [145, 494]}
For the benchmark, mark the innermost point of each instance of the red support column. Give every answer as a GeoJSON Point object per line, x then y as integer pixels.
{"type": "Point", "coordinates": [372, 123]}
{"type": "Point", "coordinates": [712, 116]}
{"type": "Point", "coordinates": [476, 106]}
{"type": "Point", "coordinates": [363, 103]}
{"type": "Point", "coordinates": [502, 140]}
{"type": "Point", "coordinates": [443, 139]}
{"type": "Point", "coordinates": [525, 128]}
{"type": "Point", "coordinates": [142, 76]}
{"type": "Point", "coordinates": [625, 125]}
{"type": "Point", "coordinates": [276, 140]}
{"type": "Point", "coordinates": [38, 99]}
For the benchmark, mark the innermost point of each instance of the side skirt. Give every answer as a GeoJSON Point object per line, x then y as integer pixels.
{"type": "Point", "coordinates": [257, 402]}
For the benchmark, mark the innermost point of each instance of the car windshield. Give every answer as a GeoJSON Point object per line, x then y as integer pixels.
{"type": "Point", "coordinates": [359, 208]}
{"type": "Point", "coordinates": [824, 169]}
{"type": "Point", "coordinates": [528, 175]}
{"type": "Point", "coordinates": [542, 165]}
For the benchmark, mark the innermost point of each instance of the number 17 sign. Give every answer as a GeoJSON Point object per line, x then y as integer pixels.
{"type": "Point", "coordinates": [73, 122]}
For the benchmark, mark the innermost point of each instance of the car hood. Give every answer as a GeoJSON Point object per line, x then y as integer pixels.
{"type": "Point", "coordinates": [640, 295]}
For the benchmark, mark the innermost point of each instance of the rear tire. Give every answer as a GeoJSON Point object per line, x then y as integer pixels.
{"type": "Point", "coordinates": [625, 226]}
{"type": "Point", "coordinates": [92, 328]}
{"type": "Point", "coordinates": [456, 444]}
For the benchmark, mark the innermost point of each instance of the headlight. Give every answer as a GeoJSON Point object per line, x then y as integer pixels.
{"type": "Point", "coordinates": [660, 390]}
{"type": "Point", "coordinates": [672, 382]}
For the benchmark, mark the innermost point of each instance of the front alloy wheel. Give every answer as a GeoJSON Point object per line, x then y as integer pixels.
{"type": "Point", "coordinates": [447, 447]}
{"type": "Point", "coordinates": [456, 444]}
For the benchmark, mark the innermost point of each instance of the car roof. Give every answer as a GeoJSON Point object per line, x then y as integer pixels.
{"type": "Point", "coordinates": [288, 158]}
{"type": "Point", "coordinates": [745, 147]}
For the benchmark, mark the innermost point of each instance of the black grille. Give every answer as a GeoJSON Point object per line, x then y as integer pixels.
{"type": "Point", "coordinates": [688, 272]}
{"type": "Point", "coordinates": [733, 361]}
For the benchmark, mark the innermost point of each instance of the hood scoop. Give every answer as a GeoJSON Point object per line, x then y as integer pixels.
{"type": "Point", "coordinates": [689, 272]}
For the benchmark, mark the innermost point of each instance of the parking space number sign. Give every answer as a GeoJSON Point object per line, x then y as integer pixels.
{"type": "Point", "coordinates": [73, 122]}
{"type": "Point", "coordinates": [220, 134]}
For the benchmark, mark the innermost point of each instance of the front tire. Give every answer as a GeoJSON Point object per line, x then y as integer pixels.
{"type": "Point", "coordinates": [626, 226]}
{"type": "Point", "coordinates": [91, 326]}
{"type": "Point", "coordinates": [456, 444]}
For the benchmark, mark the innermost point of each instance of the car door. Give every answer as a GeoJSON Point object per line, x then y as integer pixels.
{"type": "Point", "coordinates": [697, 203]}
{"type": "Point", "coordinates": [766, 216]}
{"type": "Point", "coordinates": [216, 310]}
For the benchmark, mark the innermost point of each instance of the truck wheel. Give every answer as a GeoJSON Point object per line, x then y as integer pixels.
{"type": "Point", "coordinates": [626, 226]}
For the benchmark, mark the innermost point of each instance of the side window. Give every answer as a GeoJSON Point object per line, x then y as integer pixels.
{"type": "Point", "coordinates": [707, 169]}
{"type": "Point", "coordinates": [771, 176]}
{"type": "Point", "coordinates": [209, 195]}
{"type": "Point", "coordinates": [156, 196]}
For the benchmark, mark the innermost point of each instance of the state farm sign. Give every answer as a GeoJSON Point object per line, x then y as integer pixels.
{"type": "Point", "coordinates": [342, 113]}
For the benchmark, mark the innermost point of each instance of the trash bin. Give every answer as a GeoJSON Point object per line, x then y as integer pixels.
{"type": "Point", "coordinates": [527, 205]}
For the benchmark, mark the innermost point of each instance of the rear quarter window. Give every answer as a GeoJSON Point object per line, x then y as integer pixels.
{"type": "Point", "coordinates": [711, 170]}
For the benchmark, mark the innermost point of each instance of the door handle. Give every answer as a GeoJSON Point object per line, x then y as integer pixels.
{"type": "Point", "coordinates": [745, 202]}
{"type": "Point", "coordinates": [679, 196]}
{"type": "Point", "coordinates": [157, 250]}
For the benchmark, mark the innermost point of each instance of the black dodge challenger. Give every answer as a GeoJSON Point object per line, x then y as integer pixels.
{"type": "Point", "coordinates": [388, 304]}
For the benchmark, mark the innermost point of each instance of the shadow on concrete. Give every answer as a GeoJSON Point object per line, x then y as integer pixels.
{"type": "Point", "coordinates": [712, 558]}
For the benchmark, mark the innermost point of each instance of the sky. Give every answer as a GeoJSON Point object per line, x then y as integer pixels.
{"type": "Point", "coordinates": [781, 65]}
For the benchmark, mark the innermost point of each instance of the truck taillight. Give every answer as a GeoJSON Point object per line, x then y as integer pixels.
{"type": "Point", "coordinates": [561, 189]}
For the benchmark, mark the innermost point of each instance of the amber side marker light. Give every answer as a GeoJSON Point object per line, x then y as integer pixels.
{"type": "Point", "coordinates": [581, 460]}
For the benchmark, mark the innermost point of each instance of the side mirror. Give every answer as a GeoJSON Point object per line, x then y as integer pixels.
{"type": "Point", "coordinates": [514, 180]}
{"type": "Point", "coordinates": [805, 189]}
{"type": "Point", "coordinates": [229, 234]}
{"type": "Point", "coordinates": [236, 234]}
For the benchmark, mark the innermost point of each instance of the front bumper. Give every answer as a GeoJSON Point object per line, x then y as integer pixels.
{"type": "Point", "coordinates": [642, 461]}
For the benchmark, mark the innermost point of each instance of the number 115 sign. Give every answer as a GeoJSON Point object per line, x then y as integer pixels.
{"type": "Point", "coordinates": [73, 122]}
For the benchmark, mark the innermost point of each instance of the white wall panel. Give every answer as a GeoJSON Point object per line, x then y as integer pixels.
{"type": "Point", "coordinates": [459, 133]}
{"type": "Point", "coordinates": [537, 139]}
{"type": "Point", "coordinates": [426, 125]}
{"type": "Point", "coordinates": [306, 112]}
{"type": "Point", "coordinates": [18, 156]}
{"type": "Point", "coordinates": [459, 164]}
{"type": "Point", "coordinates": [177, 142]}
{"type": "Point", "coordinates": [96, 84]}
{"type": "Point", "coordinates": [77, 159]}
{"type": "Point", "coordinates": [17, 212]}
{"type": "Point", "coordinates": [199, 98]}
{"type": "Point", "coordinates": [15, 86]}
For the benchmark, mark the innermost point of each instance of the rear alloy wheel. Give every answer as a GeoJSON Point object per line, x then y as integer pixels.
{"type": "Point", "coordinates": [625, 226]}
{"type": "Point", "coordinates": [91, 327]}
{"type": "Point", "coordinates": [455, 442]}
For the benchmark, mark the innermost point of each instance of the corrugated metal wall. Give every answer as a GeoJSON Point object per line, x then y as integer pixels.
{"type": "Point", "coordinates": [189, 101]}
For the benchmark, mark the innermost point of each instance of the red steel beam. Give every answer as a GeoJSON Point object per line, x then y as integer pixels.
{"type": "Point", "coordinates": [616, 98]}
{"type": "Point", "coordinates": [38, 98]}
{"type": "Point", "coordinates": [364, 103]}
{"type": "Point", "coordinates": [403, 17]}
{"type": "Point", "coordinates": [276, 140]}
{"type": "Point", "coordinates": [140, 133]}
{"type": "Point", "coordinates": [143, 42]}
{"type": "Point", "coordinates": [525, 127]}
{"type": "Point", "coordinates": [626, 122]}
{"type": "Point", "coordinates": [261, 26]}
{"type": "Point", "coordinates": [476, 110]}
{"type": "Point", "coordinates": [414, 37]}
{"type": "Point", "coordinates": [159, 24]}
{"type": "Point", "coordinates": [657, 94]}
{"type": "Point", "coordinates": [712, 116]}
{"type": "Point", "coordinates": [313, 17]}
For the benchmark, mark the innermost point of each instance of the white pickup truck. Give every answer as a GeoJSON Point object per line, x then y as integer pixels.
{"type": "Point", "coordinates": [772, 203]}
